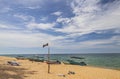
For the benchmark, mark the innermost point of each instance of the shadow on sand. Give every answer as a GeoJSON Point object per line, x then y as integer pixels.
{"type": "Point", "coordinates": [10, 72]}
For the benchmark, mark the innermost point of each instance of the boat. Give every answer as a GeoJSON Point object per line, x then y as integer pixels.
{"type": "Point", "coordinates": [53, 62]}
{"type": "Point", "coordinates": [77, 57]}
{"type": "Point", "coordinates": [76, 63]}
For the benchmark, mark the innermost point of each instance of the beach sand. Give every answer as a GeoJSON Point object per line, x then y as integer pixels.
{"type": "Point", "coordinates": [38, 70]}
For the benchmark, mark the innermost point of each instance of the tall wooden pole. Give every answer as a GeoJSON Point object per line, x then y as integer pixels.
{"type": "Point", "coordinates": [48, 59]}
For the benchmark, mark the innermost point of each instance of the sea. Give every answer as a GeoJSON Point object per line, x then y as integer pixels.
{"type": "Point", "coordinates": [104, 60]}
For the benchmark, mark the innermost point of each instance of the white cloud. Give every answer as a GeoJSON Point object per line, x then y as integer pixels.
{"type": "Point", "coordinates": [7, 26]}
{"type": "Point", "coordinates": [4, 26]}
{"type": "Point", "coordinates": [33, 25]}
{"type": "Point", "coordinates": [17, 39]}
{"type": "Point", "coordinates": [84, 6]}
{"type": "Point", "coordinates": [25, 17]}
{"type": "Point", "coordinates": [63, 20]}
{"type": "Point", "coordinates": [112, 43]}
{"type": "Point", "coordinates": [90, 17]}
{"type": "Point", "coordinates": [44, 18]}
{"type": "Point", "coordinates": [26, 39]}
{"type": "Point", "coordinates": [58, 13]}
{"type": "Point", "coordinates": [34, 7]}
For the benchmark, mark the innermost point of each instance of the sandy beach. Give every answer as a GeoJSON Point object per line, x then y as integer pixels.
{"type": "Point", "coordinates": [38, 70]}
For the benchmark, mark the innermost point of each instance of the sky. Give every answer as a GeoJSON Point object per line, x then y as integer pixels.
{"type": "Point", "coordinates": [69, 26]}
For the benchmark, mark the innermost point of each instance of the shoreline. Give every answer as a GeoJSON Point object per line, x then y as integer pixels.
{"type": "Point", "coordinates": [38, 70]}
{"type": "Point", "coordinates": [104, 67]}
{"type": "Point", "coordinates": [112, 68]}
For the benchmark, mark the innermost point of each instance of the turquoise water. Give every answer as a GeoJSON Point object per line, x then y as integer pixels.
{"type": "Point", "coordinates": [111, 60]}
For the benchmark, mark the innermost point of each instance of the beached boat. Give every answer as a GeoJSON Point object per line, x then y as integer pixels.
{"type": "Point", "coordinates": [53, 62]}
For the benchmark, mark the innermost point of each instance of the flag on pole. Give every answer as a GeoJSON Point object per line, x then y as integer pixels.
{"type": "Point", "coordinates": [44, 45]}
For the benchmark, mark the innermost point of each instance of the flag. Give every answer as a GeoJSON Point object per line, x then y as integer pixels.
{"type": "Point", "coordinates": [45, 45]}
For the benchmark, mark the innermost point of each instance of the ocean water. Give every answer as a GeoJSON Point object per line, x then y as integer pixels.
{"type": "Point", "coordinates": [106, 60]}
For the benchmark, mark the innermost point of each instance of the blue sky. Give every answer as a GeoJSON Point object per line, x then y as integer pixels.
{"type": "Point", "coordinates": [69, 26]}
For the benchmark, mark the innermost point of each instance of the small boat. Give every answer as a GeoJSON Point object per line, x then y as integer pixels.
{"type": "Point", "coordinates": [36, 60]}
{"type": "Point", "coordinates": [77, 63]}
{"type": "Point", "coordinates": [53, 62]}
{"type": "Point", "coordinates": [77, 57]}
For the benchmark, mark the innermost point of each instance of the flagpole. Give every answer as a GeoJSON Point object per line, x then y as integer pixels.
{"type": "Point", "coordinates": [48, 59]}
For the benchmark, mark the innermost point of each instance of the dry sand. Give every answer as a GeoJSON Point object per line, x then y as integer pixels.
{"type": "Point", "coordinates": [37, 70]}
